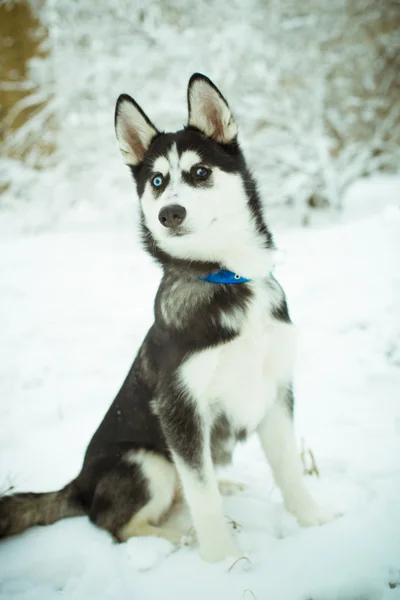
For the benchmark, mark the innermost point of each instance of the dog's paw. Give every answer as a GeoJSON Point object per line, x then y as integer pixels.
{"type": "Point", "coordinates": [229, 488]}
{"type": "Point", "coordinates": [219, 550]}
{"type": "Point", "coordinates": [177, 538]}
{"type": "Point", "coordinates": [187, 540]}
{"type": "Point", "coordinates": [311, 514]}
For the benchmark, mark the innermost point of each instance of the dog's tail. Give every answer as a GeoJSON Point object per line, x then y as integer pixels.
{"type": "Point", "coordinates": [20, 511]}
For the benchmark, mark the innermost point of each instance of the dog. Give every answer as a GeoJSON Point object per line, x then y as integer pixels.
{"type": "Point", "coordinates": [217, 363]}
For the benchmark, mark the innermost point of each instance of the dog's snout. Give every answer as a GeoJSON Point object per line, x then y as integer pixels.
{"type": "Point", "coordinates": [172, 216]}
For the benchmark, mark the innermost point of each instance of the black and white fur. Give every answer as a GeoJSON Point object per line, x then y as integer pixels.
{"type": "Point", "coordinates": [216, 365]}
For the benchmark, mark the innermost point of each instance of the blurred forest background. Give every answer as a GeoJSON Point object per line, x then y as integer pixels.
{"type": "Point", "coordinates": [313, 83]}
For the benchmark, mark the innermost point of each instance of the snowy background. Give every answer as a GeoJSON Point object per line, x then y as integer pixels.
{"type": "Point", "coordinates": [312, 85]}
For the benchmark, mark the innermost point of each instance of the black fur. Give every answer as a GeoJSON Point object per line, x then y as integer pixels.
{"type": "Point", "coordinates": [280, 312]}
{"type": "Point", "coordinates": [228, 157]}
{"type": "Point", "coordinates": [150, 389]}
{"type": "Point", "coordinates": [152, 411]}
{"type": "Point", "coordinates": [289, 400]}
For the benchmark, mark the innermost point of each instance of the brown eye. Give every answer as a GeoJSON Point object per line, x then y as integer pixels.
{"type": "Point", "coordinates": [199, 172]}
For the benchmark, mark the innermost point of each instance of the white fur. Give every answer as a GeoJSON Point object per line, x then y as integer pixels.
{"type": "Point", "coordinates": [205, 504]}
{"type": "Point", "coordinates": [241, 378]}
{"type": "Point", "coordinates": [173, 304]}
{"type": "Point", "coordinates": [206, 105]}
{"type": "Point", "coordinates": [278, 441]}
{"type": "Point", "coordinates": [169, 303]}
{"type": "Point", "coordinates": [130, 125]}
{"type": "Point", "coordinates": [188, 159]}
{"type": "Point", "coordinates": [162, 479]}
{"type": "Point", "coordinates": [219, 225]}
{"type": "Point", "coordinates": [233, 319]}
{"type": "Point", "coordinates": [175, 168]}
{"type": "Point", "coordinates": [185, 162]}
{"type": "Point", "coordinates": [161, 165]}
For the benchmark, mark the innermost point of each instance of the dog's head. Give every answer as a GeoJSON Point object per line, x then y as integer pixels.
{"type": "Point", "coordinates": [198, 199]}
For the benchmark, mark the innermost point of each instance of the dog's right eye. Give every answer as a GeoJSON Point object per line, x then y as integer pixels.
{"type": "Point", "coordinates": [157, 180]}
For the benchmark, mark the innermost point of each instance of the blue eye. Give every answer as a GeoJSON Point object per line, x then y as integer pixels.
{"type": "Point", "coordinates": [157, 180]}
{"type": "Point", "coordinates": [201, 172]}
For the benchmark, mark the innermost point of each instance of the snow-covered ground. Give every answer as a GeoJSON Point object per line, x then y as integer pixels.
{"type": "Point", "coordinates": [75, 305]}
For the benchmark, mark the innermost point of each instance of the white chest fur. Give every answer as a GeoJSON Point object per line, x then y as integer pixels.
{"type": "Point", "coordinates": [241, 377]}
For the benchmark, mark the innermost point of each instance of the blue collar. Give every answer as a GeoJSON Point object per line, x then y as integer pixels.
{"type": "Point", "coordinates": [224, 276]}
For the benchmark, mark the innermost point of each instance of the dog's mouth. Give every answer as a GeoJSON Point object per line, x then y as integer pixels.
{"type": "Point", "coordinates": [178, 231]}
{"type": "Point", "coordinates": [183, 230]}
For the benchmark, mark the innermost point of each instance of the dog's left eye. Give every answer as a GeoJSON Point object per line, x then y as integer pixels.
{"type": "Point", "coordinates": [199, 172]}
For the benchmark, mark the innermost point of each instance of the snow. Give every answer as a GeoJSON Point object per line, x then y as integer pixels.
{"type": "Point", "coordinates": [75, 304]}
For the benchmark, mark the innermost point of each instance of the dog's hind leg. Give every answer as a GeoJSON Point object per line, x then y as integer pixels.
{"type": "Point", "coordinates": [278, 441]}
{"type": "Point", "coordinates": [131, 498]}
{"type": "Point", "coordinates": [137, 527]}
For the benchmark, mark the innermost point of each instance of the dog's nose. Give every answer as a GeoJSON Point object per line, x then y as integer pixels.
{"type": "Point", "coordinates": [172, 216]}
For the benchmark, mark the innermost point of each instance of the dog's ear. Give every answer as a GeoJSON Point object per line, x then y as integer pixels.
{"type": "Point", "coordinates": [209, 111]}
{"type": "Point", "coordinates": [134, 130]}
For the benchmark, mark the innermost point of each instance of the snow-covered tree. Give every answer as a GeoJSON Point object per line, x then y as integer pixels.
{"type": "Point", "coordinates": [312, 84]}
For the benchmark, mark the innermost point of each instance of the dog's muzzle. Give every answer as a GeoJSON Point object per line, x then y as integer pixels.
{"type": "Point", "coordinates": [172, 216]}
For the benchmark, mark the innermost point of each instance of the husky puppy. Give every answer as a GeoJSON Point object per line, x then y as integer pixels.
{"type": "Point", "coordinates": [216, 365]}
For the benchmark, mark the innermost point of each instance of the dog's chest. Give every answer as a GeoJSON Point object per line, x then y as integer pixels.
{"type": "Point", "coordinates": [240, 378]}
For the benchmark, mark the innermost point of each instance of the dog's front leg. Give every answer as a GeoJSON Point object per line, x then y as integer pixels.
{"type": "Point", "coordinates": [189, 440]}
{"type": "Point", "coordinates": [205, 504]}
{"type": "Point", "coordinates": [278, 441]}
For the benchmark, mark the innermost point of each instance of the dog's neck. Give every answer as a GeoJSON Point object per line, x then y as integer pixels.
{"type": "Point", "coordinates": [253, 263]}
{"type": "Point", "coordinates": [250, 255]}
{"type": "Point", "coordinates": [261, 267]}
